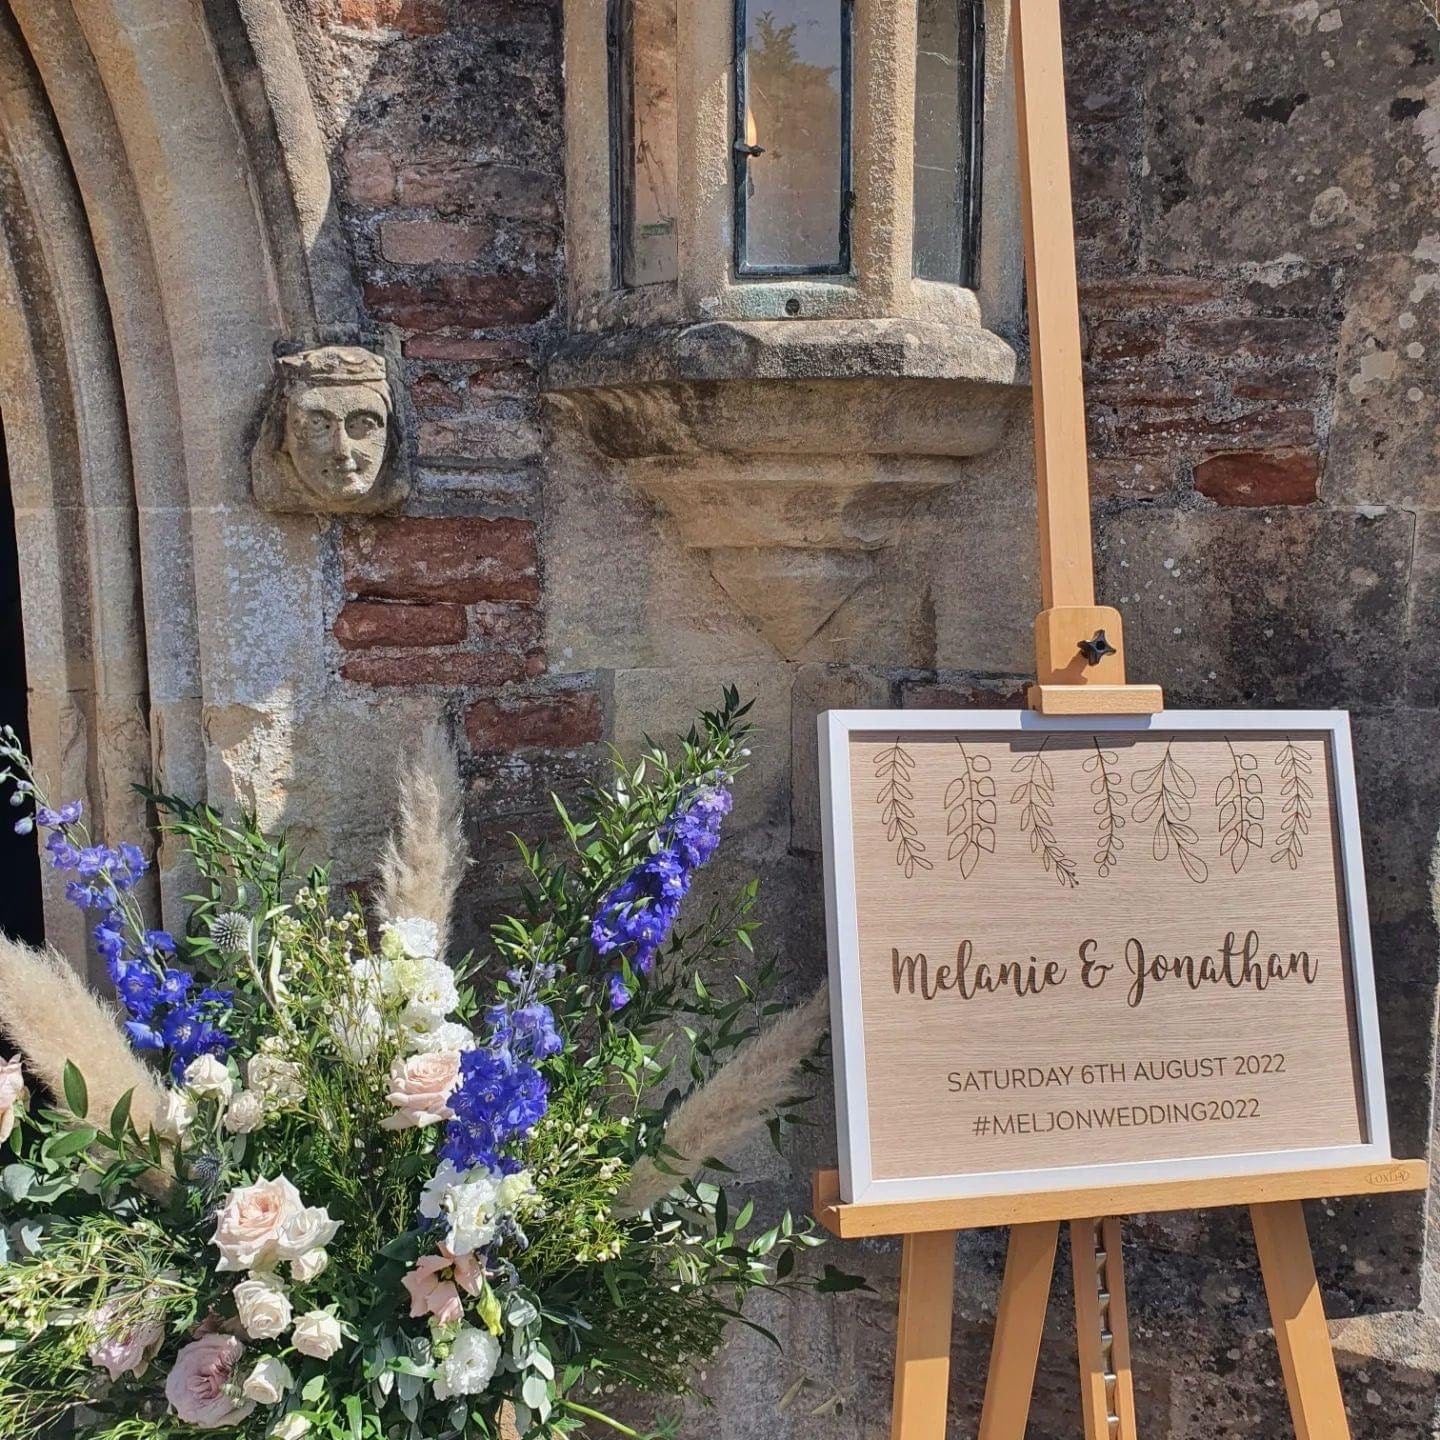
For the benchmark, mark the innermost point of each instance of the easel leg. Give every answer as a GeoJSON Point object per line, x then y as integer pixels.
{"type": "Point", "coordinates": [1102, 1331]}
{"type": "Point", "coordinates": [922, 1343]}
{"type": "Point", "coordinates": [1019, 1322]}
{"type": "Point", "coordinates": [1298, 1313]}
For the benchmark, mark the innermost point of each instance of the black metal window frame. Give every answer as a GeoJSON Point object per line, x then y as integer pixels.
{"type": "Point", "coordinates": [741, 154]}
{"type": "Point", "coordinates": [974, 146]}
{"type": "Point", "coordinates": [617, 73]}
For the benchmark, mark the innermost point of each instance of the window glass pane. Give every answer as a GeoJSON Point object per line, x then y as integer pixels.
{"type": "Point", "coordinates": [944, 76]}
{"type": "Point", "coordinates": [648, 127]}
{"type": "Point", "coordinates": [794, 110]}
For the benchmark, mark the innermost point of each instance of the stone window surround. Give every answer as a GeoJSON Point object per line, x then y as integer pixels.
{"type": "Point", "coordinates": [881, 285]}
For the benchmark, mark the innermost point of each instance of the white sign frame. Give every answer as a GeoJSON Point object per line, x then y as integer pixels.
{"type": "Point", "coordinates": [858, 1184]}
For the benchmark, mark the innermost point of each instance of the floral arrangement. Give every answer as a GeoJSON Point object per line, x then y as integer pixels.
{"type": "Point", "coordinates": [312, 1179]}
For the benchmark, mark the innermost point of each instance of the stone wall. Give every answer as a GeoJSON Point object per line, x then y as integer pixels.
{"type": "Point", "coordinates": [1260, 257]}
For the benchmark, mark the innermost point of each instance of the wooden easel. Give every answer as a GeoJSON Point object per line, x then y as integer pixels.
{"type": "Point", "coordinates": [1082, 672]}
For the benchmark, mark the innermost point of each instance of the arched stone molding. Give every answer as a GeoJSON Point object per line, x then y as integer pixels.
{"type": "Point", "coordinates": [166, 226]}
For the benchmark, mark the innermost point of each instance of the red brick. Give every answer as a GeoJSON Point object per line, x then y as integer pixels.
{"type": "Point", "coordinates": [508, 191]}
{"type": "Point", "coordinates": [1115, 341]}
{"type": "Point", "coordinates": [1247, 477]}
{"type": "Point", "coordinates": [557, 722]}
{"type": "Point", "coordinates": [463, 559]}
{"type": "Point", "coordinates": [464, 301]}
{"type": "Point", "coordinates": [461, 347]}
{"type": "Point", "coordinates": [436, 667]}
{"type": "Point", "coordinates": [365, 623]}
{"type": "Point", "coordinates": [508, 627]}
{"type": "Point", "coordinates": [1154, 388]}
{"type": "Point", "coordinates": [414, 17]}
{"type": "Point", "coordinates": [1126, 478]}
{"type": "Point", "coordinates": [433, 242]}
{"type": "Point", "coordinates": [369, 176]}
{"type": "Point", "coordinates": [1262, 430]}
{"type": "Point", "coordinates": [493, 432]}
{"type": "Point", "coordinates": [1255, 336]}
{"type": "Point", "coordinates": [1283, 386]}
{"type": "Point", "coordinates": [1145, 292]}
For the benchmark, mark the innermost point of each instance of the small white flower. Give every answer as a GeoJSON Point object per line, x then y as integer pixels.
{"type": "Point", "coordinates": [268, 1381]}
{"type": "Point", "coordinates": [317, 1334]}
{"type": "Point", "coordinates": [423, 1037]}
{"type": "Point", "coordinates": [469, 1366]}
{"type": "Point", "coordinates": [245, 1113]}
{"type": "Point", "coordinates": [514, 1191]}
{"type": "Point", "coordinates": [175, 1116]}
{"type": "Point", "coordinates": [306, 1230]}
{"type": "Point", "coordinates": [209, 1077]}
{"type": "Point", "coordinates": [290, 1427]}
{"type": "Point", "coordinates": [263, 1307]}
{"type": "Point", "coordinates": [358, 1033]}
{"type": "Point", "coordinates": [309, 1266]}
{"type": "Point", "coordinates": [276, 1079]}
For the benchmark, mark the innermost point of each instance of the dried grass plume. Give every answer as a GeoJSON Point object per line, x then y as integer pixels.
{"type": "Point", "coordinates": [424, 856]}
{"type": "Point", "coordinates": [733, 1104]}
{"type": "Point", "coordinates": [51, 1016]}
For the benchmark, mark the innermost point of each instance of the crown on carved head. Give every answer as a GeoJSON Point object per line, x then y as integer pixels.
{"type": "Point", "coordinates": [333, 365]}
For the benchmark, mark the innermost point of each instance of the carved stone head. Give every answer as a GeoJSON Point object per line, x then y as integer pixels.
{"type": "Point", "coordinates": [328, 445]}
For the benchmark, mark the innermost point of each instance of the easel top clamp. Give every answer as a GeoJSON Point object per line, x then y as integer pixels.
{"type": "Point", "coordinates": [1080, 670]}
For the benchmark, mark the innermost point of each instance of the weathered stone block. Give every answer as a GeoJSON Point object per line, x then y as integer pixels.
{"type": "Point", "coordinates": [433, 242]}
{"type": "Point", "coordinates": [465, 558]}
{"type": "Point", "coordinates": [485, 670]}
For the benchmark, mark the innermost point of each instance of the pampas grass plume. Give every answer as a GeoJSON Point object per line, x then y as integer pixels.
{"type": "Point", "coordinates": [424, 857]}
{"type": "Point", "coordinates": [51, 1016]}
{"type": "Point", "coordinates": [732, 1104]}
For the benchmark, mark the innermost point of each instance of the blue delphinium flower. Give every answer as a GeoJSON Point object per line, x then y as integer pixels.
{"type": "Point", "coordinates": [157, 997]}
{"type": "Point", "coordinates": [635, 918]}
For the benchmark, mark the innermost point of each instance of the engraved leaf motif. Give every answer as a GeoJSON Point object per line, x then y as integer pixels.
{"type": "Point", "coordinates": [894, 769]}
{"type": "Point", "coordinates": [1240, 798]}
{"type": "Point", "coordinates": [1035, 797]}
{"type": "Point", "coordinates": [1297, 795]}
{"type": "Point", "coordinates": [1166, 790]}
{"type": "Point", "coordinates": [1110, 797]}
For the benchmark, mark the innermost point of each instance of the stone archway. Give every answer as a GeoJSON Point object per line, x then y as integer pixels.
{"type": "Point", "coordinates": [164, 223]}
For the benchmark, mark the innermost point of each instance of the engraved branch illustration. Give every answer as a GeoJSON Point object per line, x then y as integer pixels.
{"type": "Point", "coordinates": [894, 767]}
{"type": "Point", "coordinates": [1110, 796]}
{"type": "Point", "coordinates": [1035, 795]}
{"type": "Point", "coordinates": [1296, 794]}
{"type": "Point", "coordinates": [970, 811]}
{"type": "Point", "coordinates": [1166, 790]}
{"type": "Point", "coordinates": [1240, 796]}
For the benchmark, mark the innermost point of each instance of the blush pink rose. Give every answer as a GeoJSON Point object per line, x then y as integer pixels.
{"type": "Point", "coordinates": [201, 1387]}
{"type": "Point", "coordinates": [420, 1089]}
{"type": "Point", "coordinates": [249, 1226]}
{"type": "Point", "coordinates": [120, 1349]}
{"type": "Point", "coordinates": [12, 1091]}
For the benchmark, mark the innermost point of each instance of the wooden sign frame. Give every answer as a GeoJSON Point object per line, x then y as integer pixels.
{"type": "Point", "coordinates": [858, 1184]}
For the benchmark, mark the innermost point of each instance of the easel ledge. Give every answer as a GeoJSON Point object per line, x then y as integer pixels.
{"type": "Point", "coordinates": [911, 1217]}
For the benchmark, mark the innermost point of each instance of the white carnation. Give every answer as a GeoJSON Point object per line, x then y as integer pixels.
{"type": "Point", "coordinates": [411, 936]}
{"type": "Point", "coordinates": [209, 1077]}
{"type": "Point", "coordinates": [317, 1334]}
{"type": "Point", "coordinates": [306, 1230]}
{"type": "Point", "coordinates": [245, 1113]}
{"type": "Point", "coordinates": [469, 1366]}
{"type": "Point", "coordinates": [421, 1035]}
{"type": "Point", "coordinates": [263, 1307]}
{"type": "Point", "coordinates": [268, 1381]}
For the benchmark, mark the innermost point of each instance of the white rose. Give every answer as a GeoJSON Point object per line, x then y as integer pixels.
{"type": "Point", "coordinates": [175, 1116]}
{"type": "Point", "coordinates": [290, 1427]}
{"type": "Point", "coordinates": [268, 1381]}
{"type": "Point", "coordinates": [410, 937]}
{"type": "Point", "coordinates": [263, 1308]}
{"type": "Point", "coordinates": [209, 1077]}
{"type": "Point", "coordinates": [306, 1230]}
{"type": "Point", "coordinates": [317, 1334]}
{"type": "Point", "coordinates": [469, 1366]}
{"type": "Point", "coordinates": [309, 1266]}
{"type": "Point", "coordinates": [276, 1079]}
{"type": "Point", "coordinates": [244, 1113]}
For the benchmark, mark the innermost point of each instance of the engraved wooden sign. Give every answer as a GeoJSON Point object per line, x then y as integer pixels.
{"type": "Point", "coordinates": [1067, 951]}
